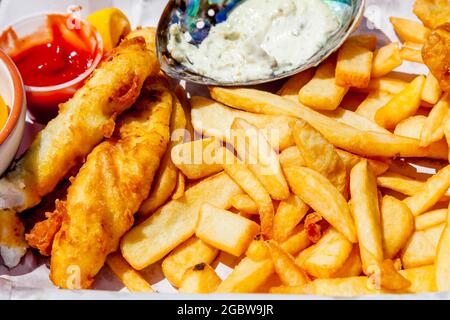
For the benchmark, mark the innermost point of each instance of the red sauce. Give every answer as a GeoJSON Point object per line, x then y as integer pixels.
{"type": "Point", "coordinates": [53, 63]}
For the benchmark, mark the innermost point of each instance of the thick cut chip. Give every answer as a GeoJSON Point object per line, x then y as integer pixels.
{"type": "Point", "coordinates": [292, 87]}
{"type": "Point", "coordinates": [386, 59]}
{"type": "Point", "coordinates": [318, 192]}
{"type": "Point", "coordinates": [297, 242]}
{"type": "Point", "coordinates": [374, 101]}
{"type": "Point", "coordinates": [402, 106]}
{"type": "Point", "coordinates": [187, 255]}
{"type": "Point", "coordinates": [322, 92]}
{"type": "Point", "coordinates": [443, 259]}
{"type": "Point", "coordinates": [319, 154]}
{"type": "Point", "coordinates": [243, 203]}
{"type": "Point", "coordinates": [146, 244]}
{"type": "Point", "coordinates": [410, 31]}
{"type": "Point", "coordinates": [354, 66]}
{"type": "Point", "coordinates": [352, 267]}
{"type": "Point", "coordinates": [431, 219]}
{"type": "Point", "coordinates": [289, 214]}
{"type": "Point", "coordinates": [397, 224]}
{"type": "Point", "coordinates": [431, 90]}
{"type": "Point", "coordinates": [368, 41]}
{"type": "Point", "coordinates": [366, 213]}
{"type": "Point", "coordinates": [200, 279]}
{"type": "Point", "coordinates": [433, 129]}
{"type": "Point", "coordinates": [411, 127]}
{"type": "Point", "coordinates": [411, 54]}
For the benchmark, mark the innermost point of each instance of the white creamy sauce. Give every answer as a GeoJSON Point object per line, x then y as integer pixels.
{"type": "Point", "coordinates": [260, 38]}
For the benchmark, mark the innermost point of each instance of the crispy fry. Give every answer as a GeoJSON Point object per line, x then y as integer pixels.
{"type": "Point", "coordinates": [225, 230]}
{"type": "Point", "coordinates": [443, 259]}
{"type": "Point", "coordinates": [257, 250]}
{"type": "Point", "coordinates": [318, 192]}
{"type": "Point", "coordinates": [433, 129]}
{"type": "Point", "coordinates": [366, 213]}
{"type": "Point", "coordinates": [325, 258]}
{"type": "Point", "coordinates": [291, 157]}
{"type": "Point", "coordinates": [352, 267]}
{"type": "Point", "coordinates": [432, 12]}
{"type": "Point", "coordinates": [400, 183]}
{"type": "Point", "coordinates": [292, 87]}
{"type": "Point", "coordinates": [253, 148]}
{"type": "Point", "coordinates": [402, 106]}
{"type": "Point", "coordinates": [397, 224]}
{"type": "Point", "coordinates": [289, 273]}
{"type": "Point", "coordinates": [187, 255]}
{"type": "Point", "coordinates": [354, 66]}
{"type": "Point", "coordinates": [245, 204]}
{"type": "Point", "coordinates": [199, 159]}
{"type": "Point", "coordinates": [374, 101]}
{"type": "Point", "coordinates": [386, 59]}
{"type": "Point", "coordinates": [421, 247]}
{"type": "Point", "coordinates": [319, 154]}
{"type": "Point", "coordinates": [322, 92]}
{"type": "Point", "coordinates": [242, 175]}
{"type": "Point", "coordinates": [214, 119]}
{"type": "Point", "coordinates": [132, 279]}
{"type": "Point", "coordinates": [297, 242]}
{"type": "Point", "coordinates": [368, 41]}
{"type": "Point", "coordinates": [436, 54]}
{"type": "Point", "coordinates": [411, 54]}
{"type": "Point", "coordinates": [289, 214]}
{"type": "Point", "coordinates": [200, 279]}
{"type": "Point", "coordinates": [146, 244]}
{"type": "Point", "coordinates": [410, 31]}
{"type": "Point", "coordinates": [247, 277]}
{"type": "Point", "coordinates": [431, 193]}
{"type": "Point", "coordinates": [431, 90]}
{"type": "Point", "coordinates": [411, 127]}
{"type": "Point", "coordinates": [368, 144]}
{"type": "Point", "coordinates": [430, 219]}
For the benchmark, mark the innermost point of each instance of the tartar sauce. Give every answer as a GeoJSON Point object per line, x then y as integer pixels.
{"type": "Point", "coordinates": [260, 38]}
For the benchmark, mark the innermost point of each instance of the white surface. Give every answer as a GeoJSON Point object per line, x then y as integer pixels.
{"type": "Point", "coordinates": [33, 272]}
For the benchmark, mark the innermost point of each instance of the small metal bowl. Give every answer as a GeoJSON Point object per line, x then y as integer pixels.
{"type": "Point", "coordinates": [177, 71]}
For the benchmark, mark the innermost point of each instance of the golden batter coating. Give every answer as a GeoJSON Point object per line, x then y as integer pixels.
{"type": "Point", "coordinates": [110, 188]}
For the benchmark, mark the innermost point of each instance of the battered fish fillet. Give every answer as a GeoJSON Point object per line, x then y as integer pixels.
{"type": "Point", "coordinates": [82, 123]}
{"type": "Point", "coordinates": [109, 189]}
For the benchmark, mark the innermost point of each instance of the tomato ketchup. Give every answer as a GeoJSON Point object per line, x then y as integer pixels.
{"type": "Point", "coordinates": [55, 54]}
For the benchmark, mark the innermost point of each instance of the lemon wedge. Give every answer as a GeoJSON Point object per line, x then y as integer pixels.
{"type": "Point", "coordinates": [112, 24]}
{"type": "Point", "coordinates": [3, 113]}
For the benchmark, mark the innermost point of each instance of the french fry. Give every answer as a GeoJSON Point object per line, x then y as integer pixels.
{"type": "Point", "coordinates": [432, 12]}
{"type": "Point", "coordinates": [433, 129]}
{"type": "Point", "coordinates": [225, 230]}
{"type": "Point", "coordinates": [402, 106]}
{"type": "Point", "coordinates": [431, 90]}
{"type": "Point", "coordinates": [400, 183]}
{"type": "Point", "coordinates": [386, 59]}
{"type": "Point", "coordinates": [180, 188]}
{"type": "Point", "coordinates": [289, 273]}
{"type": "Point", "coordinates": [368, 41]}
{"type": "Point", "coordinates": [352, 267]}
{"type": "Point", "coordinates": [422, 279]}
{"type": "Point", "coordinates": [366, 213]}
{"type": "Point", "coordinates": [289, 214]}
{"type": "Point", "coordinates": [297, 242]}
{"type": "Point", "coordinates": [354, 66]}
{"type": "Point", "coordinates": [214, 119]}
{"type": "Point", "coordinates": [261, 159]}
{"type": "Point", "coordinates": [355, 120]}
{"type": "Point", "coordinates": [292, 87]}
{"type": "Point", "coordinates": [257, 250]}
{"type": "Point", "coordinates": [200, 279]}
{"type": "Point", "coordinates": [368, 144]}
{"type": "Point", "coordinates": [326, 257]}
{"type": "Point", "coordinates": [351, 160]}
{"type": "Point", "coordinates": [242, 175]}
{"type": "Point", "coordinates": [411, 127]}
{"type": "Point", "coordinates": [322, 92]}
{"type": "Point", "coordinates": [397, 224]}
{"type": "Point", "coordinates": [318, 192]}
{"type": "Point", "coordinates": [166, 178]}
{"type": "Point", "coordinates": [421, 247]}
{"type": "Point", "coordinates": [245, 204]}
{"type": "Point", "coordinates": [247, 277]}
{"type": "Point", "coordinates": [443, 259]}
{"type": "Point", "coordinates": [291, 157]}
{"type": "Point", "coordinates": [411, 54]}
{"type": "Point", "coordinates": [319, 154]}
{"type": "Point", "coordinates": [374, 101]}
{"type": "Point", "coordinates": [129, 277]}
{"type": "Point", "coordinates": [388, 84]}
{"type": "Point", "coordinates": [433, 190]}
{"type": "Point", "coordinates": [198, 159]}
{"type": "Point", "coordinates": [187, 255]}
{"type": "Point", "coordinates": [410, 31]}
{"type": "Point", "coordinates": [431, 219]}
{"type": "Point", "coordinates": [146, 244]}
